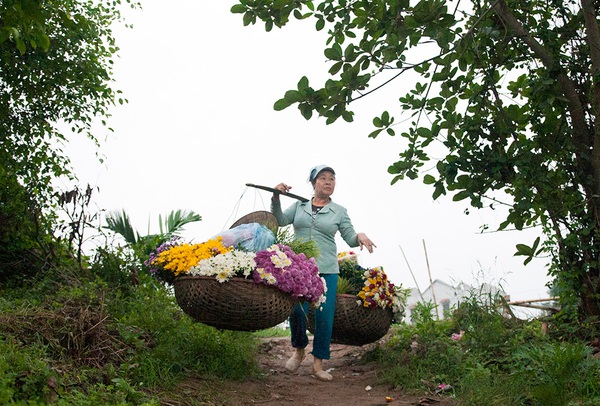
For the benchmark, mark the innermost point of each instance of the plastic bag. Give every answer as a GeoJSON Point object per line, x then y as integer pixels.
{"type": "Point", "coordinates": [249, 237]}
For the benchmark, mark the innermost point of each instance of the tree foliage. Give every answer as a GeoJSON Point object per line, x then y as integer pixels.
{"type": "Point", "coordinates": [509, 88]}
{"type": "Point", "coordinates": [55, 74]}
{"type": "Point", "coordinates": [55, 80]}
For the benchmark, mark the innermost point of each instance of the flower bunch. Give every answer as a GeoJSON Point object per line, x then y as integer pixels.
{"type": "Point", "coordinates": [377, 291]}
{"type": "Point", "coordinates": [347, 257]}
{"type": "Point", "coordinates": [370, 285]}
{"type": "Point", "coordinates": [399, 303]}
{"type": "Point", "coordinates": [180, 258]}
{"type": "Point", "coordinates": [351, 277]}
{"type": "Point", "coordinates": [294, 273]}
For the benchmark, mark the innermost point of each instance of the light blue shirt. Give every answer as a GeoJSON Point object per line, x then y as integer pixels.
{"type": "Point", "coordinates": [320, 228]}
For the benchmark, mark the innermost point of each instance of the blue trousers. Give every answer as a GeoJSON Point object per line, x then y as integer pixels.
{"type": "Point", "coordinates": [323, 321]}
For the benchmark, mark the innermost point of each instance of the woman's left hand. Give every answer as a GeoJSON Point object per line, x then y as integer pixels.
{"type": "Point", "coordinates": [364, 241]}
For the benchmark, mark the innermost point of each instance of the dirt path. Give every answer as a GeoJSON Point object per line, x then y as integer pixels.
{"type": "Point", "coordinates": [355, 383]}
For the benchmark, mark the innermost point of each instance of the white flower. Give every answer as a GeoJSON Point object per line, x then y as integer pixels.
{"type": "Point", "coordinates": [321, 298]}
{"type": "Point", "coordinates": [224, 275]}
{"type": "Point", "coordinates": [265, 276]}
{"type": "Point", "coordinates": [225, 266]}
{"type": "Point", "coordinates": [280, 259]}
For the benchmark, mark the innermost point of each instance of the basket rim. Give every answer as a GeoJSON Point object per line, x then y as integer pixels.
{"type": "Point", "coordinates": [237, 278]}
{"type": "Point", "coordinates": [347, 295]}
{"type": "Point", "coordinates": [248, 280]}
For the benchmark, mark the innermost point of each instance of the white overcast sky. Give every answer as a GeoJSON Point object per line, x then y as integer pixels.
{"type": "Point", "coordinates": [200, 124]}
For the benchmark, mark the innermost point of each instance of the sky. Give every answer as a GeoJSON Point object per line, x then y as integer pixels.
{"type": "Point", "coordinates": [199, 124]}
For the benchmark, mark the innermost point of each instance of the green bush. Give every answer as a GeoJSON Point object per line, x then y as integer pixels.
{"type": "Point", "coordinates": [25, 237]}
{"type": "Point", "coordinates": [117, 266]}
{"type": "Point", "coordinates": [24, 372]}
{"type": "Point", "coordinates": [558, 373]}
{"type": "Point", "coordinates": [492, 360]}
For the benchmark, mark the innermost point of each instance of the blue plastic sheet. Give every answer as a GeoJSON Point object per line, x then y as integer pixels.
{"type": "Point", "coordinates": [248, 237]}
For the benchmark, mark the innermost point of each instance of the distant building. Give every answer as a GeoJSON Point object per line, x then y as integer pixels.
{"type": "Point", "coordinates": [447, 297]}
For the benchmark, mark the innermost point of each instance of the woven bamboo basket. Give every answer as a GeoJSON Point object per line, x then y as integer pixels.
{"type": "Point", "coordinates": [263, 217]}
{"type": "Point", "coordinates": [238, 304]}
{"type": "Point", "coordinates": [354, 324]}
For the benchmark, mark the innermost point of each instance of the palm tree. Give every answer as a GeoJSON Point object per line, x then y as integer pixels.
{"type": "Point", "coordinates": [118, 222]}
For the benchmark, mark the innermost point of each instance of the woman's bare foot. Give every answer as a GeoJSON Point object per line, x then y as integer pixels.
{"type": "Point", "coordinates": [318, 371]}
{"type": "Point", "coordinates": [294, 362]}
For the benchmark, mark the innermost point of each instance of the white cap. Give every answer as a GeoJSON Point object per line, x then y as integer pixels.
{"type": "Point", "coordinates": [316, 170]}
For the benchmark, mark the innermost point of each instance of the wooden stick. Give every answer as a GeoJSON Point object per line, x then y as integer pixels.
{"type": "Point", "coordinates": [413, 275]}
{"type": "Point", "coordinates": [270, 189]}
{"type": "Point", "coordinates": [534, 306]}
{"type": "Point", "coordinates": [437, 313]}
{"type": "Point", "coordinates": [518, 302]}
{"type": "Point", "coordinates": [538, 307]}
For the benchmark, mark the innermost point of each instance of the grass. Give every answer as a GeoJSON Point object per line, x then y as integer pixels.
{"type": "Point", "coordinates": [95, 338]}
{"type": "Point", "coordinates": [498, 361]}
{"type": "Point", "coordinates": [101, 346]}
{"type": "Point", "coordinates": [277, 331]}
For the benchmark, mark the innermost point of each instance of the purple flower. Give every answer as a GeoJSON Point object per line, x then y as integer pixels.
{"type": "Point", "coordinates": [300, 278]}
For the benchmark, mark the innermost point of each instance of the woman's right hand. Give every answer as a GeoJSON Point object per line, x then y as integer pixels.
{"type": "Point", "coordinates": [283, 188]}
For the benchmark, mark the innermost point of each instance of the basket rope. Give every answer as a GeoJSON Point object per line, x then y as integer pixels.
{"type": "Point", "coordinates": [236, 207]}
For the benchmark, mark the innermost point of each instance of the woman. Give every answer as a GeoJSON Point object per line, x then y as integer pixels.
{"type": "Point", "coordinates": [319, 220]}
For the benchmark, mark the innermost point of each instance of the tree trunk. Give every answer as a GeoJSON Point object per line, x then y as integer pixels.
{"type": "Point", "coordinates": [591, 301]}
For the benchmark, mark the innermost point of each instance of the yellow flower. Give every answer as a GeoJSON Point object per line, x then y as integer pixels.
{"type": "Point", "coordinates": [180, 258]}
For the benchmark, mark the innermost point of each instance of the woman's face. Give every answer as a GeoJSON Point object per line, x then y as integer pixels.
{"type": "Point", "coordinates": [324, 184]}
